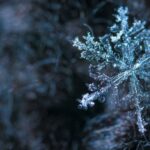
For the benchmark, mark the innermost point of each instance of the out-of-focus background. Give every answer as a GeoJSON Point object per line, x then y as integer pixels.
{"type": "Point", "coordinates": [41, 74]}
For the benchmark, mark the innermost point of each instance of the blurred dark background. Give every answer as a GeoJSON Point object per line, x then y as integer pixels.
{"type": "Point", "coordinates": [41, 74]}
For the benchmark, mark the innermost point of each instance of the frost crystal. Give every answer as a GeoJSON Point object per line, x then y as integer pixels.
{"type": "Point", "coordinates": [118, 58]}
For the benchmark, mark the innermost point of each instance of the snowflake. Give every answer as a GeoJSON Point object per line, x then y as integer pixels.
{"type": "Point", "coordinates": [116, 59]}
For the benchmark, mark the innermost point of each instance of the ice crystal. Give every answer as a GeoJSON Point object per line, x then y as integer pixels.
{"type": "Point", "coordinates": [118, 58]}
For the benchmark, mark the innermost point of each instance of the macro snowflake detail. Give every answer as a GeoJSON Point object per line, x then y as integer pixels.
{"type": "Point", "coordinates": [119, 59]}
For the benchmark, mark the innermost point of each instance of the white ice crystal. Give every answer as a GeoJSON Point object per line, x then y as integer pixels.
{"type": "Point", "coordinates": [126, 50]}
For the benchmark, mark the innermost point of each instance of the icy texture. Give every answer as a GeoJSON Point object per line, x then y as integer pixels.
{"type": "Point", "coordinates": [118, 58]}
